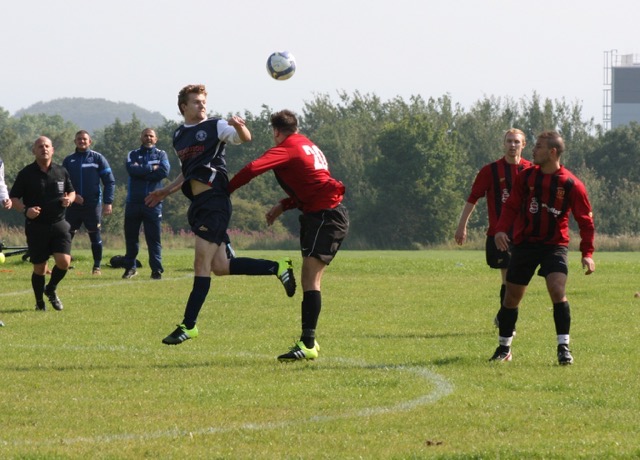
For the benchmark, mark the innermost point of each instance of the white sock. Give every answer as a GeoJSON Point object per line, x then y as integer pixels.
{"type": "Point", "coordinates": [563, 339]}
{"type": "Point", "coordinates": [505, 341]}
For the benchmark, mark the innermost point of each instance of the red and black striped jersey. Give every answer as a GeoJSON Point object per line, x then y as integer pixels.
{"type": "Point", "coordinates": [494, 181]}
{"type": "Point", "coordinates": [539, 208]}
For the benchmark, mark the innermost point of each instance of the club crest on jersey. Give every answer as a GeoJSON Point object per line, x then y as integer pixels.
{"type": "Point", "coordinates": [533, 206]}
{"type": "Point", "coordinates": [201, 135]}
{"type": "Point", "coordinates": [560, 192]}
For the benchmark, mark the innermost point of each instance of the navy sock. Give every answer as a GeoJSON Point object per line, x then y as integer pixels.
{"type": "Point", "coordinates": [96, 248]}
{"type": "Point", "coordinates": [201, 285]}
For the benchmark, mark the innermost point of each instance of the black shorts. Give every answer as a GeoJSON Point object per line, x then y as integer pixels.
{"type": "Point", "coordinates": [495, 257]}
{"type": "Point", "coordinates": [322, 233]}
{"type": "Point", "coordinates": [209, 215]}
{"type": "Point", "coordinates": [46, 239]}
{"type": "Point", "coordinates": [525, 258]}
{"type": "Point", "coordinates": [90, 216]}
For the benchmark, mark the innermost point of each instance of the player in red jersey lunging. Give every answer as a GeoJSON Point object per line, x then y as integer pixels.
{"type": "Point", "coordinates": [302, 171]}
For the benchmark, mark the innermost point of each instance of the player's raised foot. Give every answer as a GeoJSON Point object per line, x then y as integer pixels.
{"type": "Point", "coordinates": [286, 277]}
{"type": "Point", "coordinates": [299, 352]}
{"type": "Point", "coordinates": [564, 355]}
{"type": "Point", "coordinates": [54, 299]}
{"type": "Point", "coordinates": [180, 335]}
{"type": "Point", "coordinates": [502, 354]}
{"type": "Point", "coordinates": [129, 273]}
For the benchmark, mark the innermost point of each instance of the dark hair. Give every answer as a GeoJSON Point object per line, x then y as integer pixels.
{"type": "Point", "coordinates": [284, 121]}
{"type": "Point", "coordinates": [553, 139]}
{"type": "Point", "coordinates": [183, 95]}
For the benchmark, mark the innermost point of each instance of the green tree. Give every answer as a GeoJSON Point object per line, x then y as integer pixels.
{"type": "Point", "coordinates": [417, 181]}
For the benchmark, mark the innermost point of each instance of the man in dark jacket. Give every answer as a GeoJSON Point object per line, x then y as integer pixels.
{"type": "Point", "coordinates": [87, 168]}
{"type": "Point", "coordinates": [147, 167]}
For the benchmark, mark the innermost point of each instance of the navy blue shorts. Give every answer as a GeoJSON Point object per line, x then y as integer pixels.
{"type": "Point", "coordinates": [209, 215]}
{"type": "Point", "coordinates": [322, 233]}
{"type": "Point", "coordinates": [525, 258]}
{"type": "Point", "coordinates": [46, 239]}
{"type": "Point", "coordinates": [90, 216]}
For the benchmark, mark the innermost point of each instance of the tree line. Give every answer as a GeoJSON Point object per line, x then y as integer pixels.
{"type": "Point", "coordinates": [407, 164]}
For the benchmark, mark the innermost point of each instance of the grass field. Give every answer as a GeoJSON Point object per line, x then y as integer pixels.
{"type": "Point", "coordinates": [403, 372]}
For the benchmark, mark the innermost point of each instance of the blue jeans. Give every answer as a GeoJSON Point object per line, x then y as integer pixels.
{"type": "Point", "coordinates": [136, 215]}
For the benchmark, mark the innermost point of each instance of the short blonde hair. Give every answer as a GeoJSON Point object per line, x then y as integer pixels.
{"type": "Point", "coordinates": [517, 131]}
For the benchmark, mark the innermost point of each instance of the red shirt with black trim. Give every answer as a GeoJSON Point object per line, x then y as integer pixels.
{"type": "Point", "coordinates": [539, 208]}
{"type": "Point", "coordinates": [301, 170]}
{"type": "Point", "coordinates": [494, 181]}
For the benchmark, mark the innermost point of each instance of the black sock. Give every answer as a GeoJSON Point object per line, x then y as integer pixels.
{"type": "Point", "coordinates": [507, 318]}
{"type": "Point", "coordinates": [562, 317]}
{"type": "Point", "coordinates": [503, 290]}
{"type": "Point", "coordinates": [252, 267]}
{"type": "Point", "coordinates": [311, 306]}
{"type": "Point", "coordinates": [201, 285]}
{"type": "Point", "coordinates": [56, 276]}
{"type": "Point", "coordinates": [37, 283]}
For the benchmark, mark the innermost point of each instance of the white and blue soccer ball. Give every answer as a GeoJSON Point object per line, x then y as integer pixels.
{"type": "Point", "coordinates": [281, 65]}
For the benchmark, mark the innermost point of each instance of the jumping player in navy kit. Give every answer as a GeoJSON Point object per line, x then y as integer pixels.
{"type": "Point", "coordinates": [200, 145]}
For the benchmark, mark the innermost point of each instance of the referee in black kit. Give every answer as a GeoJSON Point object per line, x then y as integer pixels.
{"type": "Point", "coordinates": [43, 191]}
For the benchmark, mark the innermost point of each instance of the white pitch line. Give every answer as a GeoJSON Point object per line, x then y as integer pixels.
{"type": "Point", "coordinates": [442, 388]}
{"type": "Point", "coordinates": [81, 287]}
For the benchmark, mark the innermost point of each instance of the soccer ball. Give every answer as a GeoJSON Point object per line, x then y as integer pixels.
{"type": "Point", "coordinates": [281, 65]}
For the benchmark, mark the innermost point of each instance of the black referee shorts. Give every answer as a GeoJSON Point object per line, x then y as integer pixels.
{"type": "Point", "coordinates": [322, 233]}
{"type": "Point", "coordinates": [46, 239]}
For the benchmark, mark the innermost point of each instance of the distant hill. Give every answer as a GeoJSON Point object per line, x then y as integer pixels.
{"type": "Point", "coordinates": [93, 114]}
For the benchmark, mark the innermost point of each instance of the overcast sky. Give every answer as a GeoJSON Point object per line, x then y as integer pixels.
{"type": "Point", "coordinates": [144, 51]}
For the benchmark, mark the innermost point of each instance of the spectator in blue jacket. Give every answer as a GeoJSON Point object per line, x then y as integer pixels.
{"type": "Point", "coordinates": [88, 169]}
{"type": "Point", "coordinates": [147, 167]}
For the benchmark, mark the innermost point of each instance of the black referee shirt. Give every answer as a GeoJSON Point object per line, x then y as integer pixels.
{"type": "Point", "coordinates": [37, 188]}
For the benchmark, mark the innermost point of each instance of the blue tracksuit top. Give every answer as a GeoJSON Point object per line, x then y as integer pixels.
{"type": "Point", "coordinates": [143, 178]}
{"type": "Point", "coordinates": [87, 169]}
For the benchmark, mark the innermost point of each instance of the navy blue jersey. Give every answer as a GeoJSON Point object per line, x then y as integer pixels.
{"type": "Point", "coordinates": [87, 169]}
{"type": "Point", "coordinates": [201, 150]}
{"type": "Point", "coordinates": [147, 167]}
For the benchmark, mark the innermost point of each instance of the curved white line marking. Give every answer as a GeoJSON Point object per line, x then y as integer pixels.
{"type": "Point", "coordinates": [442, 388]}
